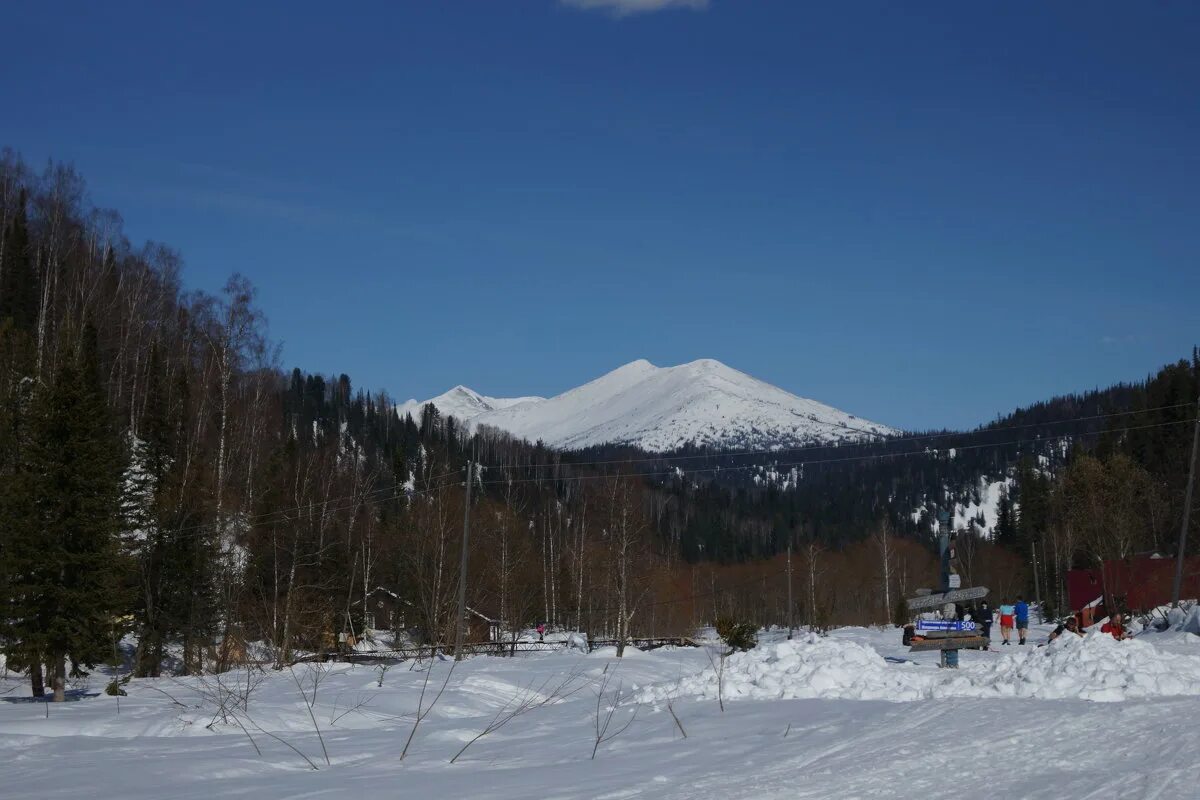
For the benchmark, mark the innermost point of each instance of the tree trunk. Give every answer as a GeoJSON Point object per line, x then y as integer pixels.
{"type": "Point", "coordinates": [59, 682]}
{"type": "Point", "coordinates": [553, 617]}
{"type": "Point", "coordinates": [36, 683]}
{"type": "Point", "coordinates": [579, 570]}
{"type": "Point", "coordinates": [812, 587]}
{"type": "Point", "coordinates": [545, 575]}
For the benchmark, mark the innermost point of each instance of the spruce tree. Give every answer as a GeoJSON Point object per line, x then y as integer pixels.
{"type": "Point", "coordinates": [16, 392]}
{"type": "Point", "coordinates": [64, 504]}
{"type": "Point", "coordinates": [1006, 530]}
{"type": "Point", "coordinates": [1033, 512]}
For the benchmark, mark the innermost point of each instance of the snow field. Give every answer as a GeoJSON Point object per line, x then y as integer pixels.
{"type": "Point", "coordinates": [820, 744]}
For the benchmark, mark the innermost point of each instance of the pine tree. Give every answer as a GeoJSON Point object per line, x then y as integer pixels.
{"type": "Point", "coordinates": [1033, 512]}
{"type": "Point", "coordinates": [16, 389]}
{"type": "Point", "coordinates": [64, 504]}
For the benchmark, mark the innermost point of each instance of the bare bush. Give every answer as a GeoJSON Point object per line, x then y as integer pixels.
{"type": "Point", "coordinates": [422, 710]}
{"type": "Point", "coordinates": [528, 698]}
{"type": "Point", "coordinates": [717, 662]}
{"type": "Point", "coordinates": [317, 672]}
{"type": "Point", "coordinates": [607, 705]}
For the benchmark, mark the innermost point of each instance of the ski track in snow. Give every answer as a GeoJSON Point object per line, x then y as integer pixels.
{"type": "Point", "coordinates": [951, 747]}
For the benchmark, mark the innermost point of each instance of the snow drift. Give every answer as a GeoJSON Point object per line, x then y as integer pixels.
{"type": "Point", "coordinates": [801, 668]}
{"type": "Point", "coordinates": [1096, 668]}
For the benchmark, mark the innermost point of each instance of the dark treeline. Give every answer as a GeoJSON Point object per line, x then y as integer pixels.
{"type": "Point", "coordinates": [736, 507]}
{"type": "Point", "coordinates": [161, 475]}
{"type": "Point", "coordinates": [1080, 479]}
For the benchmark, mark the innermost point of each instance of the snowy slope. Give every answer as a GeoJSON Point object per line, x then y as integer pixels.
{"type": "Point", "coordinates": [662, 408]}
{"type": "Point", "coordinates": [978, 510]}
{"type": "Point", "coordinates": [463, 403]}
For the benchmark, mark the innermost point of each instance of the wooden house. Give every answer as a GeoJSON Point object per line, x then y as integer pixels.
{"type": "Point", "coordinates": [385, 610]}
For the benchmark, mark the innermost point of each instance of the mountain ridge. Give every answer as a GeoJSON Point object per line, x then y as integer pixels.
{"type": "Point", "coordinates": [463, 403]}
{"type": "Point", "coordinates": [704, 403]}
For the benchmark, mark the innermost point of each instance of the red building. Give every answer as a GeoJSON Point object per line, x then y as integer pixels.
{"type": "Point", "coordinates": [1138, 583]}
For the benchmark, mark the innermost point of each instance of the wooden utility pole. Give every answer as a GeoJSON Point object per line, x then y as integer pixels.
{"type": "Point", "coordinates": [791, 622]}
{"type": "Point", "coordinates": [1187, 511]}
{"type": "Point", "coordinates": [1037, 583]}
{"type": "Point", "coordinates": [462, 574]}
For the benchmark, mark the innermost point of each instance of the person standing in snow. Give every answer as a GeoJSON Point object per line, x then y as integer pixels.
{"type": "Point", "coordinates": [1116, 627]}
{"type": "Point", "coordinates": [1007, 614]}
{"type": "Point", "coordinates": [541, 629]}
{"type": "Point", "coordinates": [983, 616]}
{"type": "Point", "coordinates": [1022, 614]}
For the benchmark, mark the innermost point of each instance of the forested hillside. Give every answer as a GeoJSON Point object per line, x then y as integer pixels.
{"type": "Point", "coordinates": [162, 475]}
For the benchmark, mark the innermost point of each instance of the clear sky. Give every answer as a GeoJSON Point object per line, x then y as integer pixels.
{"type": "Point", "coordinates": [923, 213]}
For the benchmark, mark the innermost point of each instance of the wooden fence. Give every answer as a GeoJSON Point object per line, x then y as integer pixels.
{"type": "Point", "coordinates": [490, 649]}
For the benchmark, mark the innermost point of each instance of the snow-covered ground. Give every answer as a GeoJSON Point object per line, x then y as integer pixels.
{"type": "Point", "coordinates": [793, 727]}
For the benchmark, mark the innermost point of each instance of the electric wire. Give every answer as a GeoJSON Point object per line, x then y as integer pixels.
{"type": "Point", "coordinates": [880, 439]}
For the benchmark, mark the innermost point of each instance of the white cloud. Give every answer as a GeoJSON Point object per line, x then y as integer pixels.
{"type": "Point", "coordinates": [624, 8]}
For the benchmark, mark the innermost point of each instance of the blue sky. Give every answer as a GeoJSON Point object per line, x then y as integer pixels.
{"type": "Point", "coordinates": [925, 214]}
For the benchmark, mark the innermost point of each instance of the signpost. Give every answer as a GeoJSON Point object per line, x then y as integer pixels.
{"type": "Point", "coordinates": [948, 645]}
{"type": "Point", "coordinates": [942, 598]}
{"type": "Point", "coordinates": [945, 625]}
{"type": "Point", "coordinates": [949, 635]}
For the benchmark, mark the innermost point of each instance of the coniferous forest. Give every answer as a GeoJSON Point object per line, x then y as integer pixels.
{"type": "Point", "coordinates": [163, 475]}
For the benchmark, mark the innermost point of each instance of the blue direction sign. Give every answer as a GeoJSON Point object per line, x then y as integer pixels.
{"type": "Point", "coordinates": [944, 625]}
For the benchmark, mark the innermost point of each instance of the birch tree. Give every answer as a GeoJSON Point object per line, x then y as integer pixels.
{"type": "Point", "coordinates": [883, 540]}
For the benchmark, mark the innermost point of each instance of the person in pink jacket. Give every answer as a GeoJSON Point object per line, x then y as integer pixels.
{"type": "Point", "coordinates": [1008, 614]}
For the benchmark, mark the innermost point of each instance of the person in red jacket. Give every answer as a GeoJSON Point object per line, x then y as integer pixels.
{"type": "Point", "coordinates": [1116, 627]}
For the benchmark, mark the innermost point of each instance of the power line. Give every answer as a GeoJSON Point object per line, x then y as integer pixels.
{"type": "Point", "coordinates": [695, 596]}
{"type": "Point", "coordinates": [395, 493]}
{"type": "Point", "coordinates": [813, 462]}
{"type": "Point", "coordinates": [807, 448]}
{"type": "Point", "coordinates": [326, 506]}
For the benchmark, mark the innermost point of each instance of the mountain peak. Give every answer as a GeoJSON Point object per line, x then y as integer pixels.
{"type": "Point", "coordinates": [705, 364]}
{"type": "Point", "coordinates": [464, 403]}
{"type": "Point", "coordinates": [640, 365]}
{"type": "Point", "coordinates": [703, 402]}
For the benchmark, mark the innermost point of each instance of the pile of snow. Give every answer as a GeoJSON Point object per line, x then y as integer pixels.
{"type": "Point", "coordinates": [1185, 619]}
{"type": "Point", "coordinates": [813, 667]}
{"type": "Point", "coordinates": [1096, 668]}
{"type": "Point", "coordinates": [1191, 624]}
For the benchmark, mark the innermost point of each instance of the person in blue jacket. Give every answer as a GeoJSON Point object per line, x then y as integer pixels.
{"type": "Point", "coordinates": [1022, 613]}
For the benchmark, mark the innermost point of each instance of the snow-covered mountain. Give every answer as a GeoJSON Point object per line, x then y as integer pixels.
{"type": "Point", "coordinates": [663, 408]}
{"type": "Point", "coordinates": [463, 403]}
